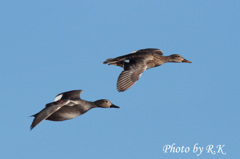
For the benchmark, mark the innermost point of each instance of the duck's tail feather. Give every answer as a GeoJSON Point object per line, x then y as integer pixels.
{"type": "Point", "coordinates": [108, 61]}
{"type": "Point", "coordinates": [111, 61]}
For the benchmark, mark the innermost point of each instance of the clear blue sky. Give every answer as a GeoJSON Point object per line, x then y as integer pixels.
{"type": "Point", "coordinates": [48, 47]}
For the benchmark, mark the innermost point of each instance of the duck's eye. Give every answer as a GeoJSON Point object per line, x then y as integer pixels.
{"type": "Point", "coordinates": [106, 101]}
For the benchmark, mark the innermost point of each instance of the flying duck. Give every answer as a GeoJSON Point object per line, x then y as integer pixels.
{"type": "Point", "coordinates": [68, 105]}
{"type": "Point", "coordinates": [135, 63]}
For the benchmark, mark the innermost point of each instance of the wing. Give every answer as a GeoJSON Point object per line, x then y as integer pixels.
{"type": "Point", "coordinates": [47, 111]}
{"type": "Point", "coordinates": [132, 72]}
{"type": "Point", "coordinates": [148, 50]}
{"type": "Point", "coordinates": [75, 94]}
{"type": "Point", "coordinates": [128, 78]}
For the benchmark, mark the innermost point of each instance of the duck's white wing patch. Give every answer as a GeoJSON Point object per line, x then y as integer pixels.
{"type": "Point", "coordinates": [127, 61]}
{"type": "Point", "coordinates": [58, 97]}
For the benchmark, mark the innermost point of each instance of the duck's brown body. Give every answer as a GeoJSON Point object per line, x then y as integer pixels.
{"type": "Point", "coordinates": [135, 63]}
{"type": "Point", "coordinates": [150, 57]}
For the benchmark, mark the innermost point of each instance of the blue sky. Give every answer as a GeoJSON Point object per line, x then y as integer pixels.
{"type": "Point", "coordinates": [49, 47]}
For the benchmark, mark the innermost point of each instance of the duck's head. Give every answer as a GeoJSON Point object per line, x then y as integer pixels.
{"type": "Point", "coordinates": [177, 58]}
{"type": "Point", "coordinates": [104, 103]}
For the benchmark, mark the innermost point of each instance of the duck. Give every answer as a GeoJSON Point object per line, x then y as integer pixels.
{"type": "Point", "coordinates": [135, 63]}
{"type": "Point", "coordinates": [68, 105]}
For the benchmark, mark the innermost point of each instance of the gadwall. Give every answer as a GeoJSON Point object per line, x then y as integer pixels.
{"type": "Point", "coordinates": [135, 63]}
{"type": "Point", "coordinates": [68, 105]}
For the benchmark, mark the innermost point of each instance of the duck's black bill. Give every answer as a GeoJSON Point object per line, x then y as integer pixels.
{"type": "Point", "coordinates": [114, 106]}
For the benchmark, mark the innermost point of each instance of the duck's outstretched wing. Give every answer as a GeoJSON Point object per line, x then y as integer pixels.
{"type": "Point", "coordinates": [128, 78]}
{"type": "Point", "coordinates": [47, 111]}
{"type": "Point", "coordinates": [132, 72]}
{"type": "Point", "coordinates": [74, 94]}
{"type": "Point", "coordinates": [148, 50]}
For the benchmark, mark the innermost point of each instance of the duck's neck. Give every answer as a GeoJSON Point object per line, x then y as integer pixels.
{"type": "Point", "coordinates": [165, 59]}
{"type": "Point", "coordinates": [93, 104]}
{"type": "Point", "coordinates": [85, 106]}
